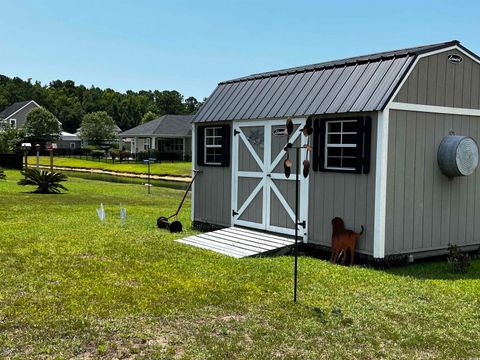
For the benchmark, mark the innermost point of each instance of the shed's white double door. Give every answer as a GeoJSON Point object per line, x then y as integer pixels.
{"type": "Point", "coordinates": [262, 197]}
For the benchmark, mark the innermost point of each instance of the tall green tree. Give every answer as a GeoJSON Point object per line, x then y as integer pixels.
{"type": "Point", "coordinates": [10, 138]}
{"type": "Point", "coordinates": [42, 126]}
{"type": "Point", "coordinates": [69, 101]}
{"type": "Point", "coordinates": [149, 116]}
{"type": "Point", "coordinates": [98, 128]}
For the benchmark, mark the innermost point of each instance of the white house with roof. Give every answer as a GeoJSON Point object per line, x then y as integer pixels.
{"type": "Point", "coordinates": [169, 134]}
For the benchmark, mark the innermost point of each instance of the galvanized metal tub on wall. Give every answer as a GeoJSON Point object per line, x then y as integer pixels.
{"type": "Point", "coordinates": [457, 155]}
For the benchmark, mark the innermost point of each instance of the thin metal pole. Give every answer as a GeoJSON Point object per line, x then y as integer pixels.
{"type": "Point", "coordinates": [149, 176]}
{"type": "Point", "coordinates": [296, 223]}
{"type": "Point", "coordinates": [51, 160]}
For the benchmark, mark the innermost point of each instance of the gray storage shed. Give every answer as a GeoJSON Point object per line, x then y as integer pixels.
{"type": "Point", "coordinates": [378, 122]}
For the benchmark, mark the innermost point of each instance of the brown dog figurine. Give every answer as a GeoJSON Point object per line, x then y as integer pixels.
{"type": "Point", "coordinates": [343, 240]}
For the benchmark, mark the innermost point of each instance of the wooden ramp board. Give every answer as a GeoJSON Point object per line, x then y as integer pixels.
{"type": "Point", "coordinates": [238, 242]}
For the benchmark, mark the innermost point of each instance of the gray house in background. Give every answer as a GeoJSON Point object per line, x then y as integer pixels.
{"type": "Point", "coordinates": [170, 134]}
{"type": "Point", "coordinates": [16, 114]}
{"type": "Point", "coordinates": [378, 123]}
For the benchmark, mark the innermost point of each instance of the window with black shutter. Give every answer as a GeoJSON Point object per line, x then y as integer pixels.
{"type": "Point", "coordinates": [213, 145]}
{"type": "Point", "coordinates": [342, 144]}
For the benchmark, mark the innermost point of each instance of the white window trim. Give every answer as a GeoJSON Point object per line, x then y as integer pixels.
{"type": "Point", "coordinates": [205, 146]}
{"type": "Point", "coordinates": [341, 133]}
{"type": "Point", "coordinates": [147, 144]}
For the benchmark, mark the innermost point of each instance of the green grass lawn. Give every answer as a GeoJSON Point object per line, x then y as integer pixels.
{"type": "Point", "coordinates": [72, 287]}
{"type": "Point", "coordinates": [164, 168]}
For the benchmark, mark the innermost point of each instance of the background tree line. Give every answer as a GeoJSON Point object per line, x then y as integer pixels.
{"type": "Point", "coordinates": [70, 102]}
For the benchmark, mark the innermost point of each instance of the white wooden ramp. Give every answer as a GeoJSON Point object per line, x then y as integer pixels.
{"type": "Point", "coordinates": [238, 242]}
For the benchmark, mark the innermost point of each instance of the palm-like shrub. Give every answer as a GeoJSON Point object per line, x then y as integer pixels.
{"type": "Point", "coordinates": [2, 175]}
{"type": "Point", "coordinates": [47, 182]}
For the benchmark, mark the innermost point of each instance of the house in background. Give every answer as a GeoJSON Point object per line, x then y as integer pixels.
{"type": "Point", "coordinates": [16, 114]}
{"type": "Point", "coordinates": [69, 141]}
{"type": "Point", "coordinates": [169, 134]}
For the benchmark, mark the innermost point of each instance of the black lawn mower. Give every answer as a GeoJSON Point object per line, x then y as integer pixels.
{"type": "Point", "coordinates": [175, 226]}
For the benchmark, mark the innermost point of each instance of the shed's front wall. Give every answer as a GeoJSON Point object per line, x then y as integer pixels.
{"type": "Point", "coordinates": [212, 193]}
{"type": "Point", "coordinates": [426, 210]}
{"type": "Point", "coordinates": [346, 195]}
{"type": "Point", "coordinates": [436, 81]}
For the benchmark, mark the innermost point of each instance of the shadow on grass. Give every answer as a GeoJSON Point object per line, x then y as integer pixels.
{"type": "Point", "coordinates": [437, 269]}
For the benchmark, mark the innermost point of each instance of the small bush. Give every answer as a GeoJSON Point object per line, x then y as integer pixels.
{"type": "Point", "coordinates": [3, 176]}
{"type": "Point", "coordinates": [98, 154]}
{"type": "Point", "coordinates": [459, 260]}
{"type": "Point", "coordinates": [47, 182]}
{"type": "Point", "coordinates": [89, 149]}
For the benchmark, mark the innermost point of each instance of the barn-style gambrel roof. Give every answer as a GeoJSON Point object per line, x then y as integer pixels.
{"type": "Point", "coordinates": [364, 83]}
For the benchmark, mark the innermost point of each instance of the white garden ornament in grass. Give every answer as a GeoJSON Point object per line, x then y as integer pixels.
{"type": "Point", "coordinates": [101, 213]}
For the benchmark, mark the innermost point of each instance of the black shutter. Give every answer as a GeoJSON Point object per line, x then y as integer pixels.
{"type": "Point", "coordinates": [321, 144]}
{"type": "Point", "coordinates": [359, 142]}
{"type": "Point", "coordinates": [225, 145]}
{"type": "Point", "coordinates": [367, 126]}
{"type": "Point", "coordinates": [200, 145]}
{"type": "Point", "coordinates": [316, 130]}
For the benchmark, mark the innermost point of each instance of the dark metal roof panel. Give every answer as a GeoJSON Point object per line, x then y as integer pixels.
{"type": "Point", "coordinates": [295, 94]}
{"type": "Point", "coordinates": [255, 97]}
{"type": "Point", "coordinates": [243, 98]}
{"type": "Point", "coordinates": [233, 100]}
{"type": "Point", "coordinates": [317, 87]}
{"type": "Point", "coordinates": [274, 101]}
{"type": "Point", "coordinates": [347, 89]}
{"type": "Point", "coordinates": [219, 101]}
{"type": "Point", "coordinates": [364, 83]}
{"type": "Point", "coordinates": [332, 94]}
{"type": "Point", "coordinates": [391, 76]}
{"type": "Point", "coordinates": [372, 84]}
{"type": "Point", "coordinates": [207, 105]}
{"type": "Point", "coordinates": [287, 94]}
{"type": "Point", "coordinates": [277, 83]}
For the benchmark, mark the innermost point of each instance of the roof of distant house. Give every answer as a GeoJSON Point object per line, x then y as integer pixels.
{"type": "Point", "coordinates": [12, 109]}
{"type": "Point", "coordinates": [169, 125]}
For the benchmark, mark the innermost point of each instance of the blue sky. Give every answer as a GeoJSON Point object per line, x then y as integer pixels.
{"type": "Point", "coordinates": [192, 45]}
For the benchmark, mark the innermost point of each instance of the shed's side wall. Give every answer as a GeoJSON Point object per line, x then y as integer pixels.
{"type": "Point", "coordinates": [436, 81]}
{"type": "Point", "coordinates": [212, 194]}
{"type": "Point", "coordinates": [346, 195]}
{"type": "Point", "coordinates": [425, 209]}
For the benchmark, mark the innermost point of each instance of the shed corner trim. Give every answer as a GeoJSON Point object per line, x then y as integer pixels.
{"type": "Point", "coordinates": [381, 184]}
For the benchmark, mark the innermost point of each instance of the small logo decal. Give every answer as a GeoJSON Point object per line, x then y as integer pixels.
{"type": "Point", "coordinates": [455, 59]}
{"type": "Point", "coordinates": [280, 132]}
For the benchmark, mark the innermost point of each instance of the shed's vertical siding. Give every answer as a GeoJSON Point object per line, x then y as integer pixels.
{"type": "Point", "coordinates": [436, 81]}
{"type": "Point", "coordinates": [212, 203]}
{"type": "Point", "coordinates": [346, 195]}
{"type": "Point", "coordinates": [425, 209]}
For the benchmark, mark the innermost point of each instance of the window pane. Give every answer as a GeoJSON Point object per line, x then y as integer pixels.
{"type": "Point", "coordinates": [217, 141]}
{"type": "Point", "coordinates": [334, 139]}
{"type": "Point", "coordinates": [350, 126]}
{"type": "Point", "coordinates": [334, 151]}
{"type": "Point", "coordinates": [349, 162]}
{"type": "Point", "coordinates": [334, 162]}
{"type": "Point", "coordinates": [349, 152]}
{"type": "Point", "coordinates": [334, 126]}
{"type": "Point", "coordinates": [349, 139]}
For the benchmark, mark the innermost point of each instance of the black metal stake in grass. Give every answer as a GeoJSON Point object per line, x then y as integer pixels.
{"type": "Point", "coordinates": [307, 131]}
{"type": "Point", "coordinates": [297, 157]}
